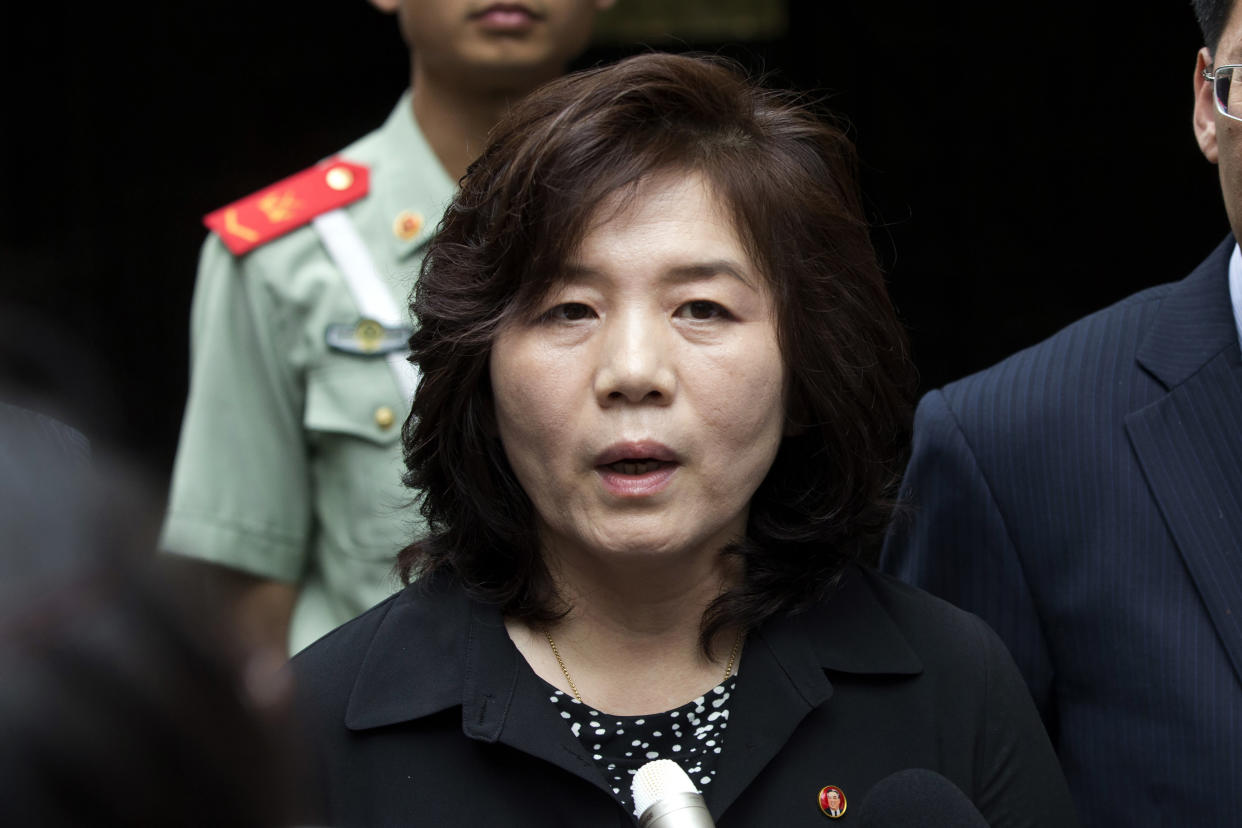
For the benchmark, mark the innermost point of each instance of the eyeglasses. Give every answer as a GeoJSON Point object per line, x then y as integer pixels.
{"type": "Point", "coordinates": [1227, 83]}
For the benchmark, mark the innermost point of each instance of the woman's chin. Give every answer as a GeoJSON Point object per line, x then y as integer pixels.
{"type": "Point", "coordinates": [654, 546]}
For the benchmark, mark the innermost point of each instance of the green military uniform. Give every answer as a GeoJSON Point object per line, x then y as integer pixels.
{"type": "Point", "coordinates": [289, 461]}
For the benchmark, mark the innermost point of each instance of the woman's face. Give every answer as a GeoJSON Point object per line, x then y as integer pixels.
{"type": "Point", "coordinates": [643, 406]}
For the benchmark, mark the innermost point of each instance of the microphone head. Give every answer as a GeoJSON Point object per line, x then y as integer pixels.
{"type": "Point", "coordinates": [915, 798]}
{"type": "Point", "coordinates": [657, 780]}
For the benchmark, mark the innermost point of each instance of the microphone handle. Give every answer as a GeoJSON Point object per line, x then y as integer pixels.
{"type": "Point", "coordinates": [681, 810]}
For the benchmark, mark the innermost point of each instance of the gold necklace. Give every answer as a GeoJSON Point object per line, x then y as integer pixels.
{"type": "Point", "coordinates": [737, 642]}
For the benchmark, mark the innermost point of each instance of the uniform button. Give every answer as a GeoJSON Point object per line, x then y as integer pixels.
{"type": "Point", "coordinates": [407, 224]}
{"type": "Point", "coordinates": [340, 178]}
{"type": "Point", "coordinates": [384, 417]}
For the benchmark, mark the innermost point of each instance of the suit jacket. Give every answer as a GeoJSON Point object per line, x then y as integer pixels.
{"type": "Point", "coordinates": [422, 711]}
{"type": "Point", "coordinates": [1085, 498]}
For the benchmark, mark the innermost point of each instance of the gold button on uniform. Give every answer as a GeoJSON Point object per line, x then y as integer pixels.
{"type": "Point", "coordinates": [407, 224]}
{"type": "Point", "coordinates": [340, 178]}
{"type": "Point", "coordinates": [384, 417]}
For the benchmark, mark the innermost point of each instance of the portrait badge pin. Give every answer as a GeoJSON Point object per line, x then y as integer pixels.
{"type": "Point", "coordinates": [832, 801]}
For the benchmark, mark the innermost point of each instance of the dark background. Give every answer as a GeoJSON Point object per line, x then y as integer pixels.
{"type": "Point", "coordinates": [1025, 164]}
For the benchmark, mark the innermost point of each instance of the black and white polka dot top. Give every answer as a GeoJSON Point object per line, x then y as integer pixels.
{"type": "Point", "coordinates": [692, 735]}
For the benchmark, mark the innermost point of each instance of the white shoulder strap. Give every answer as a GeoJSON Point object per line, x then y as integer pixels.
{"type": "Point", "coordinates": [371, 293]}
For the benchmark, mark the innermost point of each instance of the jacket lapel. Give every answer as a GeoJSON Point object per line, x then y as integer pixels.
{"type": "Point", "coordinates": [782, 677]}
{"type": "Point", "coordinates": [503, 701]}
{"type": "Point", "coordinates": [1189, 442]}
{"type": "Point", "coordinates": [409, 672]}
{"type": "Point", "coordinates": [444, 650]}
{"type": "Point", "coordinates": [437, 649]}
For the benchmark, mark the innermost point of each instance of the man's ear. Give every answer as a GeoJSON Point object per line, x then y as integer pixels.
{"type": "Point", "coordinates": [386, 6]}
{"type": "Point", "coordinates": [1205, 107]}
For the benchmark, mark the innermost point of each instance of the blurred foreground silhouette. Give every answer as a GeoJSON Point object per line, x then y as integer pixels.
{"type": "Point", "coordinates": [121, 704]}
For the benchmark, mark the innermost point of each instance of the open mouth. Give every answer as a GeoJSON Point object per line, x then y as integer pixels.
{"type": "Point", "coordinates": [637, 466]}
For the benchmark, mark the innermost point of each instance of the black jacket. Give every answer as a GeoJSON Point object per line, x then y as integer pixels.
{"type": "Point", "coordinates": [422, 712]}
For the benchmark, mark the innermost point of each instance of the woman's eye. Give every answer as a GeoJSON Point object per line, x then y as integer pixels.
{"type": "Point", "coordinates": [703, 309]}
{"type": "Point", "coordinates": [569, 312]}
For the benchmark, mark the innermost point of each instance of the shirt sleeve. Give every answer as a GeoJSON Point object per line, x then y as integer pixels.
{"type": "Point", "coordinates": [240, 492]}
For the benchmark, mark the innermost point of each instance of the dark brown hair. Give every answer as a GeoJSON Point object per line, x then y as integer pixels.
{"type": "Point", "coordinates": [788, 179]}
{"type": "Point", "coordinates": [1213, 16]}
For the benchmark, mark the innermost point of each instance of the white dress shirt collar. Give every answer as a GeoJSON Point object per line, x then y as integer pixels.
{"type": "Point", "coordinates": [1235, 287]}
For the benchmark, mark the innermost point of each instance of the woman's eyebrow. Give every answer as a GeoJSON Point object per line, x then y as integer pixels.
{"type": "Point", "coordinates": [690, 272]}
{"type": "Point", "coordinates": [700, 271]}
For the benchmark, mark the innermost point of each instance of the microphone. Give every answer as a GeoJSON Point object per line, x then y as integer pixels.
{"type": "Point", "coordinates": [664, 797]}
{"type": "Point", "coordinates": [918, 798]}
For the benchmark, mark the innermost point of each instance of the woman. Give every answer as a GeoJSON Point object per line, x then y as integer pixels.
{"type": "Point", "coordinates": [663, 400]}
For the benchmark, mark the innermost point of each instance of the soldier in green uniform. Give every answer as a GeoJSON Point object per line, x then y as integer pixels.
{"type": "Point", "coordinates": [287, 477]}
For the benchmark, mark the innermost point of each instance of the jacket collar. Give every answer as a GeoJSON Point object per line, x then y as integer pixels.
{"type": "Point", "coordinates": [858, 635]}
{"type": "Point", "coordinates": [786, 673]}
{"type": "Point", "coordinates": [1194, 323]}
{"type": "Point", "coordinates": [414, 665]}
{"type": "Point", "coordinates": [436, 649]}
{"type": "Point", "coordinates": [409, 177]}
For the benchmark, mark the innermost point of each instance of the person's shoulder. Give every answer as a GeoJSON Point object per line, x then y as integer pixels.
{"type": "Point", "coordinates": [960, 655]}
{"type": "Point", "coordinates": [1060, 357]}
{"type": "Point", "coordinates": [1091, 365]}
{"type": "Point", "coordinates": [30, 434]}
{"type": "Point", "coordinates": [282, 212]}
{"type": "Point", "coordinates": [279, 214]}
{"type": "Point", "coordinates": [882, 625]}
{"type": "Point", "coordinates": [927, 621]}
{"type": "Point", "coordinates": [423, 607]}
{"type": "Point", "coordinates": [339, 653]}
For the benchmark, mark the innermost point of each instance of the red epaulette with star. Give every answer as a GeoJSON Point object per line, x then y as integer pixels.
{"type": "Point", "coordinates": [288, 204]}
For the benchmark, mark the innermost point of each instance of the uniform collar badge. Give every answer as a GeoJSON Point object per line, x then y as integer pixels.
{"type": "Point", "coordinates": [407, 225]}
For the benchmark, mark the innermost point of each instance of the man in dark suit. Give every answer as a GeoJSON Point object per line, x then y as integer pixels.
{"type": "Point", "coordinates": [1085, 497]}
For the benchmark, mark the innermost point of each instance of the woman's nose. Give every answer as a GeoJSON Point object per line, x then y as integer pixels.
{"type": "Point", "coordinates": [635, 362]}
